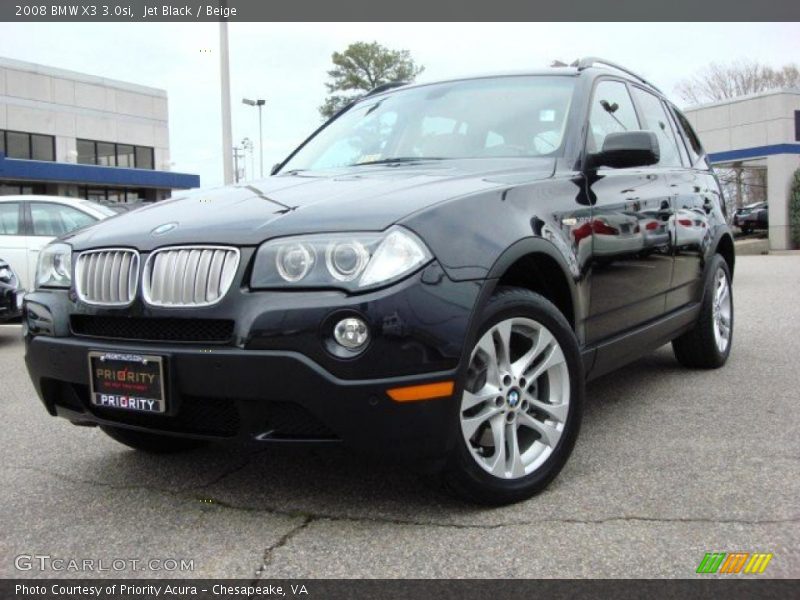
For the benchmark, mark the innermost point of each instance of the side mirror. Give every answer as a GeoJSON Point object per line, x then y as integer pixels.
{"type": "Point", "coordinates": [274, 168]}
{"type": "Point", "coordinates": [625, 149]}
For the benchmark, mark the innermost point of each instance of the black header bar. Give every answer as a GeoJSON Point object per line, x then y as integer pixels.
{"type": "Point", "coordinates": [131, 11]}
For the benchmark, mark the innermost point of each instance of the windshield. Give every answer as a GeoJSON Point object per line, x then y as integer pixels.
{"type": "Point", "coordinates": [104, 210]}
{"type": "Point", "coordinates": [479, 118]}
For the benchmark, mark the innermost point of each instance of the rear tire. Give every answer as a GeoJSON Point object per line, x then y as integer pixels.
{"type": "Point", "coordinates": [518, 416]}
{"type": "Point", "coordinates": [151, 442]}
{"type": "Point", "coordinates": [708, 344]}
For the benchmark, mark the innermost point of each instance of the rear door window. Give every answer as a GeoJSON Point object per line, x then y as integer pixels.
{"type": "Point", "coordinates": [655, 119]}
{"type": "Point", "coordinates": [9, 218]}
{"type": "Point", "coordinates": [54, 220]}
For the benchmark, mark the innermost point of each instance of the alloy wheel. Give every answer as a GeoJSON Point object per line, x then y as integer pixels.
{"type": "Point", "coordinates": [515, 403]}
{"type": "Point", "coordinates": [722, 310]}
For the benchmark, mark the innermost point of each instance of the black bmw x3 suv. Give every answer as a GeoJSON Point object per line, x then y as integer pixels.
{"type": "Point", "coordinates": [433, 274]}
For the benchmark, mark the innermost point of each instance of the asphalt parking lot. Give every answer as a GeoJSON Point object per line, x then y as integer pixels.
{"type": "Point", "coordinates": [670, 464]}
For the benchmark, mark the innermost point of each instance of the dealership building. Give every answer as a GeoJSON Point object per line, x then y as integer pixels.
{"type": "Point", "coordinates": [760, 131]}
{"type": "Point", "coordinates": [71, 134]}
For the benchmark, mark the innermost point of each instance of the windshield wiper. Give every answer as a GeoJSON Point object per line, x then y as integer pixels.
{"type": "Point", "coordinates": [397, 159]}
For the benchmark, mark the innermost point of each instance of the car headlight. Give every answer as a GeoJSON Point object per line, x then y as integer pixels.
{"type": "Point", "coordinates": [54, 269]}
{"type": "Point", "coordinates": [6, 274]}
{"type": "Point", "coordinates": [352, 261]}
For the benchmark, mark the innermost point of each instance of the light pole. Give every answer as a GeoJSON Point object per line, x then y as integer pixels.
{"type": "Point", "coordinates": [238, 174]}
{"type": "Point", "coordinates": [225, 90]}
{"type": "Point", "coordinates": [247, 144]}
{"type": "Point", "coordinates": [259, 104]}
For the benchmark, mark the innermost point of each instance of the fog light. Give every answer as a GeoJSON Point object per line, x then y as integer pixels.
{"type": "Point", "coordinates": [352, 333]}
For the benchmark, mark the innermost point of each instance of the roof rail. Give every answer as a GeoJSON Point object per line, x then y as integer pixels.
{"type": "Point", "coordinates": [383, 87]}
{"type": "Point", "coordinates": [591, 61]}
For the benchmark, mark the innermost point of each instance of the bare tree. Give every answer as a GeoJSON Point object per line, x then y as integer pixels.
{"type": "Point", "coordinates": [721, 82]}
{"type": "Point", "coordinates": [742, 185]}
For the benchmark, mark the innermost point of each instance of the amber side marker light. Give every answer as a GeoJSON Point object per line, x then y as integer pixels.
{"type": "Point", "coordinates": [428, 391]}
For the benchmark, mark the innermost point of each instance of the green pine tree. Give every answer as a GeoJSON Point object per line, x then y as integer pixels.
{"type": "Point", "coordinates": [362, 67]}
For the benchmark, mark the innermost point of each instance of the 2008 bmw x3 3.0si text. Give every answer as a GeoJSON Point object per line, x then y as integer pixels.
{"type": "Point", "coordinates": [433, 274]}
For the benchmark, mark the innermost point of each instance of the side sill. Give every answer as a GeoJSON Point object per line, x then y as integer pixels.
{"type": "Point", "coordinates": [618, 351]}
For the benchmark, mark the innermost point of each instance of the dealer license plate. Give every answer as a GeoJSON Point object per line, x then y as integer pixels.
{"type": "Point", "coordinates": [133, 382]}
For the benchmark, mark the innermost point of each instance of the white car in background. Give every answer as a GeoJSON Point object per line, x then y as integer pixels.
{"type": "Point", "coordinates": [29, 223]}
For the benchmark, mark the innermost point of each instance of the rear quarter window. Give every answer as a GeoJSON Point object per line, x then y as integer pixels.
{"type": "Point", "coordinates": [9, 218]}
{"type": "Point", "coordinates": [693, 145]}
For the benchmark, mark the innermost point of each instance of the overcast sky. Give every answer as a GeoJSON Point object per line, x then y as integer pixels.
{"type": "Point", "coordinates": [286, 63]}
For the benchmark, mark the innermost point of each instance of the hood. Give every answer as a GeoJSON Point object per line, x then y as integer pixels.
{"type": "Point", "coordinates": [367, 198]}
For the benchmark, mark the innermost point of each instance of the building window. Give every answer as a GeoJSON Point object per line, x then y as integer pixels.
{"type": "Point", "coordinates": [42, 147]}
{"type": "Point", "coordinates": [94, 194]}
{"type": "Point", "coordinates": [18, 144]}
{"type": "Point", "coordinates": [109, 154]}
{"type": "Point", "coordinates": [111, 194]}
{"type": "Point", "coordinates": [144, 157]}
{"type": "Point", "coordinates": [797, 126]}
{"type": "Point", "coordinates": [106, 154]}
{"type": "Point", "coordinates": [86, 153]}
{"type": "Point", "coordinates": [125, 156]}
{"type": "Point", "coordinates": [12, 188]}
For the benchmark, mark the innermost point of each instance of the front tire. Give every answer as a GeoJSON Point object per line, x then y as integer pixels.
{"type": "Point", "coordinates": [708, 344]}
{"type": "Point", "coordinates": [152, 443]}
{"type": "Point", "coordinates": [520, 409]}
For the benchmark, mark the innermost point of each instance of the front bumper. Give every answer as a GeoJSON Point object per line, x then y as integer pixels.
{"type": "Point", "coordinates": [275, 381]}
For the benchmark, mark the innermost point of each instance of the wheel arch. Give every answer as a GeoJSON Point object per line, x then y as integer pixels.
{"type": "Point", "coordinates": [725, 248]}
{"type": "Point", "coordinates": [537, 264]}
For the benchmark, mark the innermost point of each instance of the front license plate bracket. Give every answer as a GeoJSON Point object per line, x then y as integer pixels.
{"type": "Point", "coordinates": [127, 381]}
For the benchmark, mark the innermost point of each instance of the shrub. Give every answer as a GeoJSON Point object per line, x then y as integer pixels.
{"type": "Point", "coordinates": [794, 208]}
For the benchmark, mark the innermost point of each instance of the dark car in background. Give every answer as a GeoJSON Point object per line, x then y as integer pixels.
{"type": "Point", "coordinates": [756, 219]}
{"type": "Point", "coordinates": [741, 213]}
{"type": "Point", "coordinates": [10, 293]}
{"type": "Point", "coordinates": [433, 275]}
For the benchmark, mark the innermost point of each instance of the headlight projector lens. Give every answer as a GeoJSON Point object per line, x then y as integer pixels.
{"type": "Point", "coordinates": [351, 333]}
{"type": "Point", "coordinates": [346, 260]}
{"type": "Point", "coordinates": [294, 261]}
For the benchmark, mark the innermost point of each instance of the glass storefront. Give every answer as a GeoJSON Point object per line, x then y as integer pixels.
{"type": "Point", "coordinates": [12, 188]}
{"type": "Point", "coordinates": [108, 154]}
{"type": "Point", "coordinates": [114, 194]}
